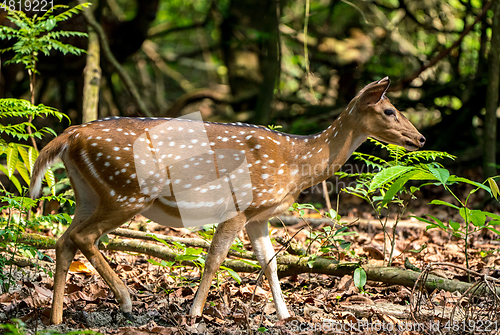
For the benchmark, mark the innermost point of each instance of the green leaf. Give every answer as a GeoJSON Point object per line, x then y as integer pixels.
{"type": "Point", "coordinates": [24, 155]}
{"type": "Point", "coordinates": [478, 218]}
{"type": "Point", "coordinates": [340, 230]}
{"type": "Point", "coordinates": [431, 226]}
{"type": "Point", "coordinates": [181, 258]}
{"type": "Point", "coordinates": [12, 157]}
{"type": "Point", "coordinates": [311, 260]}
{"type": "Point", "coordinates": [437, 222]}
{"type": "Point", "coordinates": [493, 187]}
{"type": "Point", "coordinates": [193, 251]}
{"type": "Point", "coordinates": [156, 238]}
{"type": "Point", "coordinates": [454, 225]}
{"type": "Point", "coordinates": [387, 175]}
{"type": "Point", "coordinates": [50, 24]}
{"type": "Point", "coordinates": [333, 214]}
{"type": "Point", "coordinates": [494, 223]}
{"type": "Point", "coordinates": [493, 230]}
{"type": "Point", "coordinates": [50, 178]}
{"type": "Point", "coordinates": [441, 202]}
{"type": "Point", "coordinates": [17, 184]}
{"type": "Point", "coordinates": [492, 215]}
{"type": "Point", "coordinates": [179, 245]}
{"type": "Point", "coordinates": [33, 155]}
{"type": "Point", "coordinates": [465, 214]}
{"type": "Point", "coordinates": [233, 274]}
{"type": "Point", "coordinates": [397, 186]}
{"type": "Point", "coordinates": [441, 174]}
{"type": "Point", "coordinates": [471, 182]}
{"type": "Point", "coordinates": [359, 278]}
{"type": "Point", "coordinates": [67, 217]}
{"type": "Point", "coordinates": [23, 172]}
{"type": "Point", "coordinates": [344, 245]}
{"type": "Point", "coordinates": [104, 239]}
{"type": "Point", "coordinates": [305, 206]}
{"type": "Point", "coordinates": [163, 263]}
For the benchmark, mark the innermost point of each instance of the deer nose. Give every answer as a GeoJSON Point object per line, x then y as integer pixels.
{"type": "Point", "coordinates": [422, 141]}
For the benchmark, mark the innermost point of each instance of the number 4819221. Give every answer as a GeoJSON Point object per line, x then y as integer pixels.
{"type": "Point", "coordinates": [27, 5]}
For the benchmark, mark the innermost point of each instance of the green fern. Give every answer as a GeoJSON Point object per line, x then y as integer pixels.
{"type": "Point", "coordinates": [389, 177]}
{"type": "Point", "coordinates": [371, 161]}
{"type": "Point", "coordinates": [24, 109]}
{"type": "Point", "coordinates": [21, 157]}
{"type": "Point", "coordinates": [35, 35]}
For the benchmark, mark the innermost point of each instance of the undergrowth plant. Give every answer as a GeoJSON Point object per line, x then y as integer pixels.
{"type": "Point", "coordinates": [20, 157]}
{"type": "Point", "coordinates": [18, 327]}
{"type": "Point", "coordinates": [196, 256]}
{"type": "Point", "coordinates": [36, 35]}
{"type": "Point", "coordinates": [386, 187]}
{"type": "Point", "coordinates": [13, 224]}
{"type": "Point", "coordinates": [331, 239]}
{"type": "Point", "coordinates": [32, 36]}
{"type": "Point", "coordinates": [474, 220]}
{"type": "Point", "coordinates": [183, 254]}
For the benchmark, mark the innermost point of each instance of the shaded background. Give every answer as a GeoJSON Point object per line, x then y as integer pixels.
{"type": "Point", "coordinates": [243, 60]}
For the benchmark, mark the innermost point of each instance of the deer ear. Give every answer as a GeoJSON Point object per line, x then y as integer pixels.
{"type": "Point", "coordinates": [373, 92]}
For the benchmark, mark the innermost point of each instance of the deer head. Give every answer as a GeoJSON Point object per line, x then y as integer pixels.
{"type": "Point", "coordinates": [378, 118]}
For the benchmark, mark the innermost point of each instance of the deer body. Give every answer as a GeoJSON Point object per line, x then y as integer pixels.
{"type": "Point", "coordinates": [265, 170]}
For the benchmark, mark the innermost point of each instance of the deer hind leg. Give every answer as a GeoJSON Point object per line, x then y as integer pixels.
{"type": "Point", "coordinates": [258, 232]}
{"type": "Point", "coordinates": [66, 250]}
{"type": "Point", "coordinates": [85, 235]}
{"type": "Point", "coordinates": [224, 237]}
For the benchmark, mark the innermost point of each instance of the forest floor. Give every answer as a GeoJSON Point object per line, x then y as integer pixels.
{"type": "Point", "coordinates": [320, 304]}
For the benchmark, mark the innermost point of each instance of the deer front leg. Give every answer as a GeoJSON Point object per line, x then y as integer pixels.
{"type": "Point", "coordinates": [65, 252]}
{"type": "Point", "coordinates": [258, 232]}
{"type": "Point", "coordinates": [223, 239]}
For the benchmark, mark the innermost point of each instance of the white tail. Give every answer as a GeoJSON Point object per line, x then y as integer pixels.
{"type": "Point", "coordinates": [182, 172]}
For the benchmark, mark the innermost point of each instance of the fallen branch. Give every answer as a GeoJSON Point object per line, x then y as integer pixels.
{"type": "Point", "coordinates": [191, 242]}
{"type": "Point", "coordinates": [288, 265]}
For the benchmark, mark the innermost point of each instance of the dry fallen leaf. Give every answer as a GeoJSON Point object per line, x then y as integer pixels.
{"type": "Point", "coordinates": [79, 267]}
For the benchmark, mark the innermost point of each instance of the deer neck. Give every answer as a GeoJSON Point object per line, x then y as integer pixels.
{"type": "Point", "coordinates": [324, 153]}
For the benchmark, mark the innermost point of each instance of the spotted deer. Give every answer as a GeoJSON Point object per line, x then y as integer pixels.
{"type": "Point", "coordinates": [184, 172]}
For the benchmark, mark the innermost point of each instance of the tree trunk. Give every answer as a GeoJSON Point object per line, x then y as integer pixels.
{"type": "Point", "coordinates": [490, 119]}
{"type": "Point", "coordinates": [92, 79]}
{"type": "Point", "coordinates": [254, 64]}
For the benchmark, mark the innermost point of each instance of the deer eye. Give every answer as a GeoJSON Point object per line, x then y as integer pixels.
{"type": "Point", "coordinates": [389, 112]}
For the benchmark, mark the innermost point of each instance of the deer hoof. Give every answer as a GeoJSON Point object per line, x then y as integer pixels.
{"type": "Point", "coordinates": [128, 315]}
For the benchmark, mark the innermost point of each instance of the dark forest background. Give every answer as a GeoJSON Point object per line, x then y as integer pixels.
{"type": "Point", "coordinates": [244, 60]}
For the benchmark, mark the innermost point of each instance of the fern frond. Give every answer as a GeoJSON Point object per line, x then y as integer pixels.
{"type": "Point", "coordinates": [8, 32]}
{"type": "Point", "coordinates": [371, 161]}
{"type": "Point", "coordinates": [49, 14]}
{"type": "Point", "coordinates": [59, 34]}
{"type": "Point", "coordinates": [427, 155]}
{"type": "Point", "coordinates": [62, 47]}
{"type": "Point", "coordinates": [360, 176]}
{"type": "Point", "coordinates": [23, 108]}
{"type": "Point", "coordinates": [6, 49]}
{"type": "Point", "coordinates": [378, 143]}
{"type": "Point", "coordinates": [396, 151]}
{"type": "Point", "coordinates": [72, 11]}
